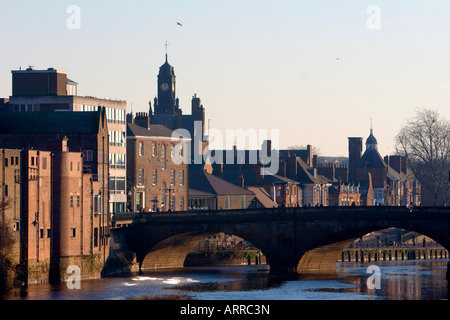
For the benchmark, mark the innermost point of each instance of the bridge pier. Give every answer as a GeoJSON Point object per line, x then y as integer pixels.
{"type": "Point", "coordinates": [283, 269]}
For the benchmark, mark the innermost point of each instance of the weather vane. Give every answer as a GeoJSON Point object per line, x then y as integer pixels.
{"type": "Point", "coordinates": [166, 43]}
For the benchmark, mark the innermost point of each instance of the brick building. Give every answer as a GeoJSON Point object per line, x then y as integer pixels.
{"type": "Point", "coordinates": [298, 165]}
{"type": "Point", "coordinates": [54, 213]}
{"type": "Point", "coordinates": [87, 132]}
{"type": "Point", "coordinates": [37, 134]}
{"type": "Point", "coordinates": [245, 172]}
{"type": "Point", "coordinates": [392, 183]}
{"type": "Point", "coordinates": [155, 181]}
{"type": "Point", "coordinates": [341, 194]}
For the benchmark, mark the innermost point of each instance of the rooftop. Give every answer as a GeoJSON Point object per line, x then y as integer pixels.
{"type": "Point", "coordinates": [49, 122]}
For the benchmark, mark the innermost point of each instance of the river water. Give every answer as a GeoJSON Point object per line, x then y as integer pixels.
{"type": "Point", "coordinates": [398, 280]}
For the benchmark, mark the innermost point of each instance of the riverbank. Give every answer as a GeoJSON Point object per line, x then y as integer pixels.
{"type": "Point", "coordinates": [393, 253]}
{"type": "Point", "coordinates": [225, 258]}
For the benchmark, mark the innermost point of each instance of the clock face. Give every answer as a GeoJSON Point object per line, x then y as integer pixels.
{"type": "Point", "coordinates": [164, 87]}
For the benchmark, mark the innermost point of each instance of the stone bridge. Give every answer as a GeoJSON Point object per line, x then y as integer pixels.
{"type": "Point", "coordinates": [304, 240]}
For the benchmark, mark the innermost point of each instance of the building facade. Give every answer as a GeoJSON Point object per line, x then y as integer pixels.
{"type": "Point", "coordinates": [156, 183]}
{"type": "Point", "coordinates": [87, 132]}
{"type": "Point", "coordinates": [209, 192]}
{"type": "Point", "coordinates": [52, 91]}
{"type": "Point", "coordinates": [388, 178]}
{"type": "Point", "coordinates": [53, 212]}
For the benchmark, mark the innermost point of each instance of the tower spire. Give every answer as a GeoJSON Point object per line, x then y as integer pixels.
{"type": "Point", "coordinates": [371, 125]}
{"type": "Point", "coordinates": [166, 44]}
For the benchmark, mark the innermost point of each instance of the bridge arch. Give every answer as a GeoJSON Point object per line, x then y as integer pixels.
{"type": "Point", "coordinates": [171, 252]}
{"type": "Point", "coordinates": [323, 256]}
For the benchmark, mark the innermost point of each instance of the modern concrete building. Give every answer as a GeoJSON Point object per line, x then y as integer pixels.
{"type": "Point", "coordinates": [52, 91]}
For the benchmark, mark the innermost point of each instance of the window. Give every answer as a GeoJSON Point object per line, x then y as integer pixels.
{"type": "Point", "coordinates": [73, 232]}
{"type": "Point", "coordinates": [78, 201]}
{"type": "Point", "coordinates": [163, 157]}
{"type": "Point", "coordinates": [112, 160]}
{"type": "Point", "coordinates": [49, 233]}
{"type": "Point", "coordinates": [6, 190]}
{"type": "Point", "coordinates": [120, 161]}
{"type": "Point", "coordinates": [97, 204]}
{"type": "Point", "coordinates": [71, 202]}
{"type": "Point", "coordinates": [154, 204]}
{"type": "Point", "coordinates": [41, 233]}
{"type": "Point", "coordinates": [181, 178]}
{"type": "Point", "coordinates": [88, 155]}
{"type": "Point", "coordinates": [163, 195]}
{"type": "Point", "coordinates": [181, 203]}
{"type": "Point", "coordinates": [172, 150]}
{"type": "Point", "coordinates": [112, 184]}
{"type": "Point", "coordinates": [172, 177]}
{"type": "Point", "coordinates": [44, 163]}
{"type": "Point", "coordinates": [122, 138]}
{"type": "Point", "coordinates": [141, 177]}
{"type": "Point", "coordinates": [6, 162]}
{"type": "Point", "coordinates": [244, 202]}
{"type": "Point", "coordinates": [141, 148]}
{"type": "Point", "coordinates": [227, 202]}
{"type": "Point", "coordinates": [95, 237]}
{"type": "Point", "coordinates": [155, 177]}
{"type": "Point", "coordinates": [154, 149]}
{"type": "Point", "coordinates": [32, 161]}
{"type": "Point", "coordinates": [71, 165]}
{"type": "Point", "coordinates": [120, 185]}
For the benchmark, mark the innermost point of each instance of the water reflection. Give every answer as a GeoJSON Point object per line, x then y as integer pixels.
{"type": "Point", "coordinates": [402, 280]}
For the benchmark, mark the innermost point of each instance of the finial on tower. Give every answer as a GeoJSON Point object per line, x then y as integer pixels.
{"type": "Point", "coordinates": [166, 43]}
{"type": "Point", "coordinates": [371, 125]}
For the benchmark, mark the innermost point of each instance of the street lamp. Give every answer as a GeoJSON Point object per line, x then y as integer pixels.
{"type": "Point", "coordinates": [170, 189]}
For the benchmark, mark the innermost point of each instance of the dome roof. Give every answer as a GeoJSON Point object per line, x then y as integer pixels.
{"type": "Point", "coordinates": [371, 139]}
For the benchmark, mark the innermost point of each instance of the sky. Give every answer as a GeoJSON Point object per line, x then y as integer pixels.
{"type": "Point", "coordinates": [255, 64]}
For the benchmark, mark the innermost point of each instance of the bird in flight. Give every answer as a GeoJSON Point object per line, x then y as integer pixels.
{"type": "Point", "coordinates": [337, 58]}
{"type": "Point", "coordinates": [179, 24]}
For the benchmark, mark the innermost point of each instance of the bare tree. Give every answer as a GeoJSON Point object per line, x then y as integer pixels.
{"type": "Point", "coordinates": [425, 141]}
{"type": "Point", "coordinates": [6, 244]}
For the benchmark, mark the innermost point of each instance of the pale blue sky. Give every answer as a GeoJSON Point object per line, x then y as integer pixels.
{"type": "Point", "coordinates": [255, 64]}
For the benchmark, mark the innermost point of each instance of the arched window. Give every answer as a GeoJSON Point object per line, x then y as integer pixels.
{"type": "Point", "coordinates": [163, 202]}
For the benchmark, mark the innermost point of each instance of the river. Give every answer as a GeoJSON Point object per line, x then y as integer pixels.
{"type": "Point", "coordinates": [398, 280]}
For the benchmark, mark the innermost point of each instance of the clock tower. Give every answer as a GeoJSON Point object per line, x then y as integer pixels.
{"type": "Point", "coordinates": [167, 103]}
